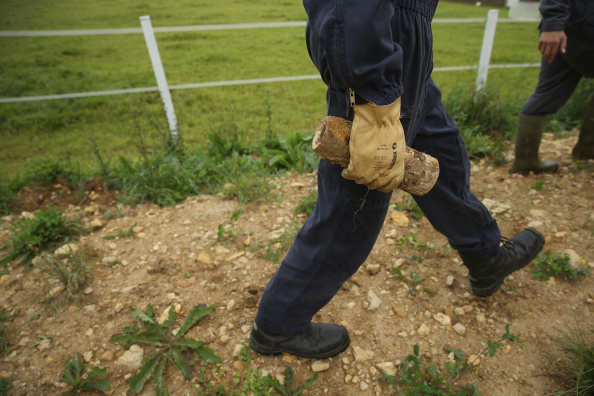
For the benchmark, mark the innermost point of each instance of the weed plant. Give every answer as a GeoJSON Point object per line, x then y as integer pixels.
{"type": "Point", "coordinates": [31, 236]}
{"type": "Point", "coordinates": [307, 204]}
{"type": "Point", "coordinates": [253, 382]}
{"type": "Point", "coordinates": [579, 361]}
{"type": "Point", "coordinates": [170, 346]}
{"type": "Point", "coordinates": [571, 115]}
{"type": "Point", "coordinates": [247, 180]}
{"type": "Point", "coordinates": [122, 234]}
{"type": "Point", "coordinates": [5, 385]}
{"type": "Point", "coordinates": [4, 340]}
{"type": "Point", "coordinates": [208, 382]}
{"type": "Point", "coordinates": [78, 382]}
{"type": "Point", "coordinates": [557, 265]}
{"type": "Point", "coordinates": [292, 152]}
{"type": "Point", "coordinates": [418, 379]}
{"type": "Point", "coordinates": [229, 233]}
{"type": "Point", "coordinates": [414, 280]}
{"type": "Point", "coordinates": [484, 120]}
{"type": "Point", "coordinates": [173, 173]}
{"type": "Point", "coordinates": [416, 242]}
{"type": "Point", "coordinates": [225, 142]}
{"type": "Point", "coordinates": [410, 206]}
{"type": "Point", "coordinates": [286, 389]}
{"type": "Point", "coordinates": [8, 193]}
{"type": "Point", "coordinates": [45, 170]}
{"type": "Point", "coordinates": [73, 272]}
{"type": "Point", "coordinates": [166, 179]}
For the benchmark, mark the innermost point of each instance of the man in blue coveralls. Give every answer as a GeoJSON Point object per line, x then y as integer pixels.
{"type": "Point", "coordinates": [567, 46]}
{"type": "Point", "coordinates": [376, 58]}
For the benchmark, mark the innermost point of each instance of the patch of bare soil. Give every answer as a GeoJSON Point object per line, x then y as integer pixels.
{"type": "Point", "coordinates": [61, 194]}
{"type": "Point", "coordinates": [175, 258]}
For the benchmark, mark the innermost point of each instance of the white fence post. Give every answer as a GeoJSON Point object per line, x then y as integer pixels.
{"type": "Point", "coordinates": [151, 43]}
{"type": "Point", "coordinates": [485, 59]}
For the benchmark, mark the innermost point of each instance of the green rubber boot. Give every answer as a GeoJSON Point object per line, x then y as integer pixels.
{"type": "Point", "coordinates": [584, 149]}
{"type": "Point", "coordinates": [528, 135]}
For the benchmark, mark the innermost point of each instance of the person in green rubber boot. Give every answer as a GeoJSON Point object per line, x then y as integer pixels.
{"type": "Point", "coordinates": [567, 46]}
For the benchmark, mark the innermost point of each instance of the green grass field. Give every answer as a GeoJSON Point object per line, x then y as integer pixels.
{"type": "Point", "coordinates": [31, 66]}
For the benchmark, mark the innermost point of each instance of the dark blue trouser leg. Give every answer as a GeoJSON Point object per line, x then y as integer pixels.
{"type": "Point", "coordinates": [330, 247]}
{"type": "Point", "coordinates": [450, 206]}
{"type": "Point", "coordinates": [556, 83]}
{"type": "Point", "coordinates": [558, 80]}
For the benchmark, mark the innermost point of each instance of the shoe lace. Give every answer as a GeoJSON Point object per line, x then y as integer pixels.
{"type": "Point", "coordinates": [507, 243]}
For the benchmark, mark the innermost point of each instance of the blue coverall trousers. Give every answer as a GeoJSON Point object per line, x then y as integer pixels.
{"type": "Point", "coordinates": [340, 233]}
{"type": "Point", "coordinates": [558, 80]}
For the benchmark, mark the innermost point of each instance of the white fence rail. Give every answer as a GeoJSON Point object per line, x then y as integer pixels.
{"type": "Point", "coordinates": [50, 33]}
{"type": "Point", "coordinates": [194, 28]}
{"type": "Point", "coordinates": [228, 83]}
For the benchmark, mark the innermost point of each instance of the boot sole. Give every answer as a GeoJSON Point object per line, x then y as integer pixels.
{"type": "Point", "coordinates": [489, 291]}
{"type": "Point", "coordinates": [275, 351]}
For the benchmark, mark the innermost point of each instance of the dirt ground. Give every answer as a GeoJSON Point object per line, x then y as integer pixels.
{"type": "Point", "coordinates": [175, 259]}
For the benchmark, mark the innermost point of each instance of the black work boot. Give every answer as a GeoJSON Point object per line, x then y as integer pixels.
{"type": "Point", "coordinates": [584, 149]}
{"type": "Point", "coordinates": [528, 136]}
{"type": "Point", "coordinates": [486, 274]}
{"type": "Point", "coordinates": [318, 341]}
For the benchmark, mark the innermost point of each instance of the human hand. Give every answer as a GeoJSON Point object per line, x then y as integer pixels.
{"type": "Point", "coordinates": [550, 43]}
{"type": "Point", "coordinates": [377, 147]}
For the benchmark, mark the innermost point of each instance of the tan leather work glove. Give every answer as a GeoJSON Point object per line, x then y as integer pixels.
{"type": "Point", "coordinates": [377, 147]}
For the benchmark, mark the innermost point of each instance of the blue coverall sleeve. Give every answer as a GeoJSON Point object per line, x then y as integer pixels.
{"type": "Point", "coordinates": [352, 45]}
{"type": "Point", "coordinates": [554, 15]}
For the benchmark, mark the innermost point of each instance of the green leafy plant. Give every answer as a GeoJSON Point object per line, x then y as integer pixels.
{"type": "Point", "coordinates": [410, 206]}
{"type": "Point", "coordinates": [415, 241]}
{"type": "Point", "coordinates": [169, 347]}
{"type": "Point", "coordinates": [253, 382]}
{"type": "Point", "coordinates": [225, 143]}
{"type": "Point", "coordinates": [538, 185]}
{"type": "Point", "coordinates": [46, 170]}
{"type": "Point", "coordinates": [121, 234]}
{"type": "Point", "coordinates": [205, 381]}
{"type": "Point", "coordinates": [5, 385]}
{"type": "Point", "coordinates": [72, 271]}
{"type": "Point", "coordinates": [8, 193]}
{"type": "Point", "coordinates": [30, 236]}
{"type": "Point", "coordinates": [290, 152]}
{"type": "Point", "coordinates": [572, 114]}
{"type": "Point", "coordinates": [416, 258]}
{"type": "Point", "coordinates": [483, 120]}
{"type": "Point", "coordinates": [287, 388]}
{"type": "Point", "coordinates": [224, 233]}
{"type": "Point", "coordinates": [417, 380]}
{"type": "Point", "coordinates": [307, 204]}
{"type": "Point", "coordinates": [429, 381]}
{"type": "Point", "coordinates": [549, 265]}
{"type": "Point", "coordinates": [246, 179]}
{"type": "Point", "coordinates": [579, 361]}
{"type": "Point", "coordinates": [74, 377]}
{"type": "Point", "coordinates": [235, 215]}
{"type": "Point", "coordinates": [4, 340]}
{"type": "Point", "coordinates": [414, 280]}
